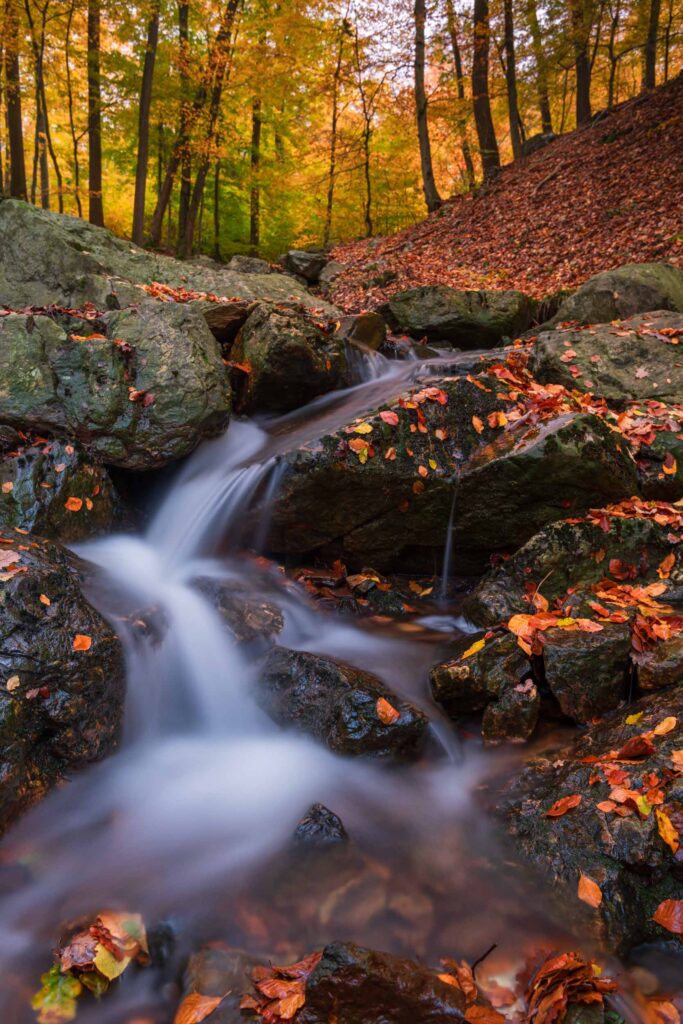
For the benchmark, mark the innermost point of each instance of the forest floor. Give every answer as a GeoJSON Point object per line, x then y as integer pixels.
{"type": "Point", "coordinates": [604, 195]}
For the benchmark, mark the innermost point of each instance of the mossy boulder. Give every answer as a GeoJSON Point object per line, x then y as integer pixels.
{"type": "Point", "coordinates": [338, 705]}
{"type": "Point", "coordinates": [288, 360]}
{"type": "Point", "coordinates": [620, 361]}
{"type": "Point", "coordinates": [61, 671]}
{"type": "Point", "coordinates": [588, 673]}
{"type": "Point", "coordinates": [623, 292]}
{"type": "Point", "coordinates": [52, 488]}
{"type": "Point", "coordinates": [466, 319]}
{"type": "Point", "coordinates": [618, 846]}
{"type": "Point", "coordinates": [140, 388]}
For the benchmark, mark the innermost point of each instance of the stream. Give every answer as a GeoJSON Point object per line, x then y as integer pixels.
{"type": "Point", "coordinates": [190, 823]}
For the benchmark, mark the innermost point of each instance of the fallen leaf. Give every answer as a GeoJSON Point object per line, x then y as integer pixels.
{"type": "Point", "coordinates": [389, 417]}
{"type": "Point", "coordinates": [82, 642]}
{"type": "Point", "coordinates": [363, 428]}
{"type": "Point", "coordinates": [386, 712]}
{"type": "Point", "coordinates": [564, 804]}
{"type": "Point", "coordinates": [669, 466]}
{"type": "Point", "coordinates": [8, 558]}
{"type": "Point", "coordinates": [665, 726]}
{"type": "Point", "coordinates": [195, 1008]}
{"type": "Point", "coordinates": [477, 646]}
{"type": "Point", "coordinates": [7, 487]}
{"type": "Point", "coordinates": [483, 1015]}
{"type": "Point", "coordinates": [589, 891]}
{"type": "Point", "coordinates": [669, 914]}
{"type": "Point", "coordinates": [664, 568]}
{"type": "Point", "coordinates": [13, 682]}
{"type": "Point", "coordinates": [477, 424]}
{"type": "Point", "coordinates": [44, 599]}
{"type": "Point", "coordinates": [73, 504]}
{"type": "Point", "coordinates": [667, 831]}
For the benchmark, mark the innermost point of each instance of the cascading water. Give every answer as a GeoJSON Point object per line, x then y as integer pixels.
{"type": "Point", "coordinates": [206, 789]}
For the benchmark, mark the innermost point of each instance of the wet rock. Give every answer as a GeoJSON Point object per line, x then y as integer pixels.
{"type": "Point", "coordinates": [60, 707]}
{"type": "Point", "coordinates": [226, 319]}
{"type": "Point", "coordinates": [587, 672]}
{"type": "Point", "coordinates": [320, 827]}
{"type": "Point", "coordinates": [652, 459]}
{"type": "Point", "coordinates": [363, 330]}
{"type": "Point", "coordinates": [338, 705]}
{"type": "Point", "coordinates": [140, 397]}
{"type": "Point", "coordinates": [217, 970]}
{"type": "Point", "coordinates": [361, 985]}
{"type": "Point", "coordinates": [290, 361]}
{"type": "Point", "coordinates": [48, 258]}
{"type": "Point", "coordinates": [51, 488]}
{"type": "Point", "coordinates": [496, 679]}
{"type": "Point", "coordinates": [467, 319]}
{"type": "Point", "coordinates": [248, 619]}
{"type": "Point", "coordinates": [304, 264]}
{"type": "Point", "coordinates": [660, 666]}
{"type": "Point", "coordinates": [622, 360]}
{"type": "Point", "coordinates": [623, 292]}
{"type": "Point", "coordinates": [624, 855]}
{"type": "Point", "coordinates": [384, 495]}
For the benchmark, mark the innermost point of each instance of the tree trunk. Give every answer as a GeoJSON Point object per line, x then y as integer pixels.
{"type": "Point", "coordinates": [460, 86]}
{"type": "Point", "coordinates": [615, 14]}
{"type": "Point", "coordinates": [44, 143]}
{"type": "Point", "coordinates": [216, 211]}
{"type": "Point", "coordinates": [432, 197]}
{"type": "Point", "coordinates": [143, 125]}
{"type": "Point", "coordinates": [650, 66]}
{"type": "Point", "coordinates": [541, 67]}
{"type": "Point", "coordinates": [17, 174]}
{"type": "Point", "coordinates": [488, 146]}
{"type": "Point", "coordinates": [667, 39]}
{"type": "Point", "coordinates": [581, 25]}
{"type": "Point", "coordinates": [336, 79]}
{"type": "Point", "coordinates": [255, 191]}
{"type": "Point", "coordinates": [185, 193]}
{"type": "Point", "coordinates": [70, 101]}
{"type": "Point", "coordinates": [96, 209]}
{"type": "Point", "coordinates": [511, 82]}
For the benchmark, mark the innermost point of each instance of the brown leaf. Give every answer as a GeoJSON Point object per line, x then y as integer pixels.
{"type": "Point", "coordinates": [589, 891]}
{"type": "Point", "coordinates": [483, 1015]}
{"type": "Point", "coordinates": [669, 914]}
{"type": "Point", "coordinates": [195, 1008]}
{"type": "Point", "coordinates": [564, 804]}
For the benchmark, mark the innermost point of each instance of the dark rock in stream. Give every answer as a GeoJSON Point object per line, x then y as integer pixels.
{"type": "Point", "coordinates": [248, 619]}
{"type": "Point", "coordinates": [320, 827]}
{"type": "Point", "coordinates": [618, 845]}
{"type": "Point", "coordinates": [338, 705]}
{"type": "Point", "coordinates": [61, 665]}
{"type": "Point", "coordinates": [363, 986]}
{"type": "Point", "coordinates": [216, 970]}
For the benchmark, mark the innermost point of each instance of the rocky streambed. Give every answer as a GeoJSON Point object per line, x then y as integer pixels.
{"type": "Point", "coordinates": [351, 614]}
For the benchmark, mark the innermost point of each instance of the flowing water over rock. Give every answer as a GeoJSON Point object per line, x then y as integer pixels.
{"type": "Point", "coordinates": [191, 821]}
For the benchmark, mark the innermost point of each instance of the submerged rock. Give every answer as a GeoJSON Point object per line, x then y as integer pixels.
{"type": "Point", "coordinates": [289, 360]}
{"type": "Point", "coordinates": [248, 619]}
{"type": "Point", "coordinates": [361, 985]}
{"type": "Point", "coordinates": [52, 488]}
{"type": "Point", "coordinates": [139, 397]}
{"type": "Point", "coordinates": [622, 360]}
{"type": "Point", "coordinates": [349, 710]}
{"type": "Point", "coordinates": [320, 827]}
{"type": "Point", "coordinates": [467, 319]}
{"type": "Point", "coordinates": [623, 292]}
{"type": "Point", "coordinates": [618, 845]}
{"type": "Point", "coordinates": [218, 970]}
{"type": "Point", "coordinates": [61, 666]}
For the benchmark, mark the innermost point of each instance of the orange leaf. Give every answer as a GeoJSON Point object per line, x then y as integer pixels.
{"type": "Point", "coordinates": [477, 424]}
{"type": "Point", "coordinates": [44, 599]}
{"type": "Point", "coordinates": [73, 504]}
{"type": "Point", "coordinates": [669, 465]}
{"type": "Point", "coordinates": [389, 417]}
{"type": "Point", "coordinates": [386, 712]}
{"type": "Point", "coordinates": [664, 568]}
{"type": "Point", "coordinates": [483, 1015]}
{"type": "Point", "coordinates": [589, 891]}
{"type": "Point", "coordinates": [665, 726]}
{"type": "Point", "coordinates": [666, 829]}
{"type": "Point", "coordinates": [669, 915]}
{"type": "Point", "coordinates": [195, 1008]}
{"type": "Point", "coordinates": [566, 803]}
{"type": "Point", "coordinates": [82, 642]}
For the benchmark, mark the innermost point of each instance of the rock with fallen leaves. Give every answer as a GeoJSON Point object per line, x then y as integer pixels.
{"type": "Point", "coordinates": [565, 987]}
{"type": "Point", "coordinates": [343, 707]}
{"type": "Point", "coordinates": [61, 700]}
{"type": "Point", "coordinates": [52, 488]}
{"type": "Point", "coordinates": [288, 358]}
{"type": "Point", "coordinates": [464, 319]}
{"type": "Point", "coordinates": [609, 807]}
{"type": "Point", "coordinates": [587, 671]}
{"type": "Point", "coordinates": [489, 673]}
{"type": "Point", "coordinates": [633, 359]}
{"type": "Point", "coordinates": [140, 387]}
{"type": "Point", "coordinates": [215, 980]}
{"type": "Point", "coordinates": [624, 292]}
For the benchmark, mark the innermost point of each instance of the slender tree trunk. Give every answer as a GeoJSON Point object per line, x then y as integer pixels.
{"type": "Point", "coordinates": [365, 138]}
{"type": "Point", "coordinates": [15, 132]}
{"type": "Point", "coordinates": [488, 146]}
{"type": "Point", "coordinates": [216, 211]}
{"type": "Point", "coordinates": [581, 25]}
{"type": "Point", "coordinates": [96, 206]}
{"type": "Point", "coordinates": [223, 56]}
{"type": "Point", "coordinates": [185, 193]}
{"type": "Point", "coordinates": [541, 67]}
{"type": "Point", "coordinates": [460, 86]}
{"type": "Point", "coordinates": [615, 14]}
{"type": "Point", "coordinates": [143, 125]}
{"type": "Point", "coordinates": [43, 142]}
{"type": "Point", "coordinates": [516, 130]}
{"type": "Point", "coordinates": [667, 39]}
{"type": "Point", "coordinates": [2, 96]}
{"type": "Point", "coordinates": [336, 80]}
{"type": "Point", "coordinates": [650, 65]}
{"type": "Point", "coordinates": [40, 157]}
{"type": "Point", "coordinates": [432, 197]}
{"type": "Point", "coordinates": [70, 103]}
{"type": "Point", "coordinates": [255, 192]}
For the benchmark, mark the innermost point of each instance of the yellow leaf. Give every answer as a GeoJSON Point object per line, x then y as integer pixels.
{"type": "Point", "coordinates": [667, 831]}
{"type": "Point", "coordinates": [13, 682]}
{"type": "Point", "coordinates": [634, 719]}
{"type": "Point", "coordinates": [107, 964]}
{"type": "Point", "coordinates": [477, 646]}
{"type": "Point", "coordinates": [363, 428]}
{"type": "Point", "coordinates": [665, 726]}
{"type": "Point", "coordinates": [432, 463]}
{"type": "Point", "coordinates": [589, 891]}
{"type": "Point", "coordinates": [643, 805]}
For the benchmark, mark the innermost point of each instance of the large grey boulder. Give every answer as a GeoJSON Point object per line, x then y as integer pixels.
{"type": "Point", "coordinates": [623, 292]}
{"type": "Point", "coordinates": [304, 264]}
{"type": "Point", "coordinates": [632, 359]}
{"type": "Point", "coordinates": [139, 396]}
{"type": "Point", "coordinates": [466, 319]}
